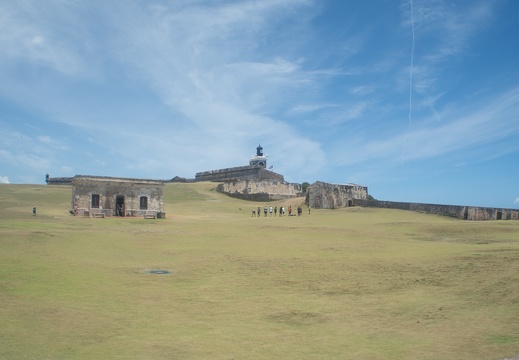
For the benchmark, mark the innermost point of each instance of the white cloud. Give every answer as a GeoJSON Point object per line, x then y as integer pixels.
{"type": "Point", "coordinates": [306, 108]}
{"type": "Point", "coordinates": [4, 180]}
{"type": "Point", "coordinates": [36, 34]}
{"type": "Point", "coordinates": [226, 75]}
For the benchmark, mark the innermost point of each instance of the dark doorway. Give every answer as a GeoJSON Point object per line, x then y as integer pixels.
{"type": "Point", "coordinates": [119, 205]}
{"type": "Point", "coordinates": [499, 215]}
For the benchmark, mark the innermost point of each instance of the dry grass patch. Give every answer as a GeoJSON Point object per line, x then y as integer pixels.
{"type": "Point", "coordinates": [347, 283]}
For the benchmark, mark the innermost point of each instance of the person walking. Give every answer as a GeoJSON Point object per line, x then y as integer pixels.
{"type": "Point", "coordinates": [275, 210]}
{"type": "Point", "coordinates": [259, 211]}
{"type": "Point", "coordinates": [265, 210]}
{"type": "Point", "coordinates": [270, 210]}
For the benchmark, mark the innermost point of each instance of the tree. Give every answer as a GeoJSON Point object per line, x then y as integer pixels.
{"type": "Point", "coordinates": [305, 186]}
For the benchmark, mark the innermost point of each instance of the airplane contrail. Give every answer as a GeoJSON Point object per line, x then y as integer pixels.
{"type": "Point", "coordinates": [411, 68]}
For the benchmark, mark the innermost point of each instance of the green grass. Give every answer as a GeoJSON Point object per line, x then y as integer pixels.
{"type": "Point", "coordinates": [351, 283]}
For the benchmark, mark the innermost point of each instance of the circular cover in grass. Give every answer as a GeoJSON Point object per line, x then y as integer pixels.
{"type": "Point", "coordinates": [159, 272]}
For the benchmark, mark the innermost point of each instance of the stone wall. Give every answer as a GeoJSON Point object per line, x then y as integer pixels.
{"type": "Point", "coordinates": [238, 173]}
{"type": "Point", "coordinates": [456, 211]}
{"type": "Point", "coordinates": [109, 189]}
{"type": "Point", "coordinates": [260, 190]}
{"type": "Point", "coordinates": [58, 180]}
{"type": "Point", "coordinates": [321, 195]}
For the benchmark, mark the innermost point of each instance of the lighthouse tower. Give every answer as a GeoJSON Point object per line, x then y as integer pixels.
{"type": "Point", "coordinates": [259, 159]}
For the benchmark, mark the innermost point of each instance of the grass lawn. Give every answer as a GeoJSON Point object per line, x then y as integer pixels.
{"type": "Point", "coordinates": [353, 283]}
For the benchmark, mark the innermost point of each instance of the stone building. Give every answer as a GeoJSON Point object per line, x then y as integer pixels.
{"type": "Point", "coordinates": [253, 182]}
{"type": "Point", "coordinates": [321, 195]}
{"type": "Point", "coordinates": [256, 170]}
{"type": "Point", "coordinates": [100, 196]}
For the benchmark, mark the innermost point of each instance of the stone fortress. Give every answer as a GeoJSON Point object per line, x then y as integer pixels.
{"type": "Point", "coordinates": [256, 182]}
{"type": "Point", "coordinates": [252, 182]}
{"type": "Point", "coordinates": [256, 170]}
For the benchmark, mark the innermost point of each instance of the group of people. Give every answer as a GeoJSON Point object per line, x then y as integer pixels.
{"type": "Point", "coordinates": [269, 210]}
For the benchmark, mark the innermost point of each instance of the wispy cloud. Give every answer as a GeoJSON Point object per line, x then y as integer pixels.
{"type": "Point", "coordinates": [175, 88]}
{"type": "Point", "coordinates": [459, 129]}
{"type": "Point", "coordinates": [4, 180]}
{"type": "Point", "coordinates": [443, 31]}
{"type": "Point", "coordinates": [307, 108]}
{"type": "Point", "coordinates": [50, 35]}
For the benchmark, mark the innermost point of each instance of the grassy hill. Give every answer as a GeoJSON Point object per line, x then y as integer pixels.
{"type": "Point", "coordinates": [351, 283]}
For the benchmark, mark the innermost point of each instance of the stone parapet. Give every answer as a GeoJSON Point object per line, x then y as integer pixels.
{"type": "Point", "coordinates": [260, 190]}
{"type": "Point", "coordinates": [456, 211]}
{"type": "Point", "coordinates": [59, 180]}
{"type": "Point", "coordinates": [238, 173]}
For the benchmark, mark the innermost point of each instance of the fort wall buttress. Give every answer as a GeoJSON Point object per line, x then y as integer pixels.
{"type": "Point", "coordinates": [321, 195]}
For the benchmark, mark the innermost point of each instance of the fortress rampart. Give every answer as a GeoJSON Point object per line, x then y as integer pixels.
{"type": "Point", "coordinates": [321, 195]}
{"type": "Point", "coordinates": [456, 211]}
{"type": "Point", "coordinates": [260, 190]}
{"type": "Point", "coordinates": [239, 173]}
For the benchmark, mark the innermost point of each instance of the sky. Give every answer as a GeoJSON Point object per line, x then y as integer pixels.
{"type": "Point", "coordinates": [416, 99]}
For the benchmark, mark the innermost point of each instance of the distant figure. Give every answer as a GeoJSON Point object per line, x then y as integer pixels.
{"type": "Point", "coordinates": [308, 209]}
{"type": "Point", "coordinates": [270, 210]}
{"type": "Point", "coordinates": [275, 210]}
{"type": "Point", "coordinates": [265, 210]}
{"type": "Point", "coordinates": [253, 213]}
{"type": "Point", "coordinates": [259, 211]}
{"type": "Point", "coordinates": [290, 210]}
{"type": "Point", "coordinates": [299, 211]}
{"type": "Point", "coordinates": [76, 210]}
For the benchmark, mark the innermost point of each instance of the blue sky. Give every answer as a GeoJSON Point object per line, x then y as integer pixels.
{"type": "Point", "coordinates": [418, 100]}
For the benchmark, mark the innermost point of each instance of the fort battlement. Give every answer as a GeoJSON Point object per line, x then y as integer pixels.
{"type": "Point", "coordinates": [260, 190]}
{"type": "Point", "coordinates": [254, 182]}
{"type": "Point", "coordinates": [238, 173]}
{"type": "Point", "coordinates": [456, 211]}
{"type": "Point", "coordinates": [321, 195]}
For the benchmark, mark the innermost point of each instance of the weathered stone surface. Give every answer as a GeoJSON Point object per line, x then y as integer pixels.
{"type": "Point", "coordinates": [321, 195]}
{"type": "Point", "coordinates": [260, 190]}
{"type": "Point", "coordinates": [58, 180]}
{"type": "Point", "coordinates": [109, 189]}
{"type": "Point", "coordinates": [456, 211]}
{"type": "Point", "coordinates": [238, 173]}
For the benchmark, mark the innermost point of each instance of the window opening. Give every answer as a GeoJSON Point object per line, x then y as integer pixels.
{"type": "Point", "coordinates": [95, 201]}
{"type": "Point", "coordinates": [144, 203]}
